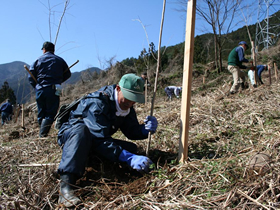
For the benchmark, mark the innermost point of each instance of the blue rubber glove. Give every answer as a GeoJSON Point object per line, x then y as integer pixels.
{"type": "Point", "coordinates": [137, 162]}
{"type": "Point", "coordinates": [151, 124]}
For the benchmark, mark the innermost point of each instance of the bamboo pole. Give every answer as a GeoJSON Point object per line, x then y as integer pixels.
{"type": "Point", "coordinates": [157, 72]}
{"type": "Point", "coordinates": [187, 81]}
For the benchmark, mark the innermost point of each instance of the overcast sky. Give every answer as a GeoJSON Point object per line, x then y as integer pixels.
{"type": "Point", "coordinates": [92, 31]}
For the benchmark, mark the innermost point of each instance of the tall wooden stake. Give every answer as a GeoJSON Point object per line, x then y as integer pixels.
{"type": "Point", "coordinates": [269, 72]}
{"type": "Point", "coordinates": [187, 81]}
{"type": "Point", "coordinates": [276, 73]}
{"type": "Point", "coordinates": [22, 116]}
{"type": "Point", "coordinates": [146, 91]}
{"type": "Point", "coordinates": [254, 63]}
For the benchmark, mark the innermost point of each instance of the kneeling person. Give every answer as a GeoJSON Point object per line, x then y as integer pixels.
{"type": "Point", "coordinates": [90, 127]}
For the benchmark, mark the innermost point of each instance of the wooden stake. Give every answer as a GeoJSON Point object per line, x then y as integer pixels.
{"type": "Point", "coordinates": [146, 91]}
{"type": "Point", "coordinates": [254, 63]}
{"type": "Point", "coordinates": [22, 116]}
{"type": "Point", "coordinates": [187, 81]}
{"type": "Point", "coordinates": [276, 73]}
{"type": "Point", "coordinates": [269, 72]}
{"type": "Point", "coordinates": [157, 72]}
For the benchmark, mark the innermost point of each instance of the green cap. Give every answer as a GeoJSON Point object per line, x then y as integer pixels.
{"type": "Point", "coordinates": [132, 87]}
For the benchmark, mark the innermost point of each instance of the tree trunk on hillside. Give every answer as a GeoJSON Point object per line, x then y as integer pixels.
{"type": "Point", "coordinates": [216, 51]}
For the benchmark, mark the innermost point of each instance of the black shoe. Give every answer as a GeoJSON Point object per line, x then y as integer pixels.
{"type": "Point", "coordinates": [45, 127]}
{"type": "Point", "coordinates": [66, 195]}
{"type": "Point", "coordinates": [254, 85]}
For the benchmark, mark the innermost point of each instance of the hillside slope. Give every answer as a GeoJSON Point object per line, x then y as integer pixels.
{"type": "Point", "coordinates": [225, 135]}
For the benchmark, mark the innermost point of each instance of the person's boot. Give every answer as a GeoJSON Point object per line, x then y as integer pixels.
{"type": "Point", "coordinates": [66, 195]}
{"type": "Point", "coordinates": [45, 127]}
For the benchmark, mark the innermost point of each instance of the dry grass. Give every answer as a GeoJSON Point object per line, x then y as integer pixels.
{"type": "Point", "coordinates": [223, 171]}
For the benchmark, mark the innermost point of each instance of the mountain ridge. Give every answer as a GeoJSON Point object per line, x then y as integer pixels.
{"type": "Point", "coordinates": [17, 77]}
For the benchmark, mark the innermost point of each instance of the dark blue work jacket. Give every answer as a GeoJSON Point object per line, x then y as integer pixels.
{"type": "Point", "coordinates": [49, 69]}
{"type": "Point", "coordinates": [6, 107]}
{"type": "Point", "coordinates": [98, 113]}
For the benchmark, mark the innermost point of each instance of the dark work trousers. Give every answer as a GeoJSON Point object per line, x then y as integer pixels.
{"type": "Point", "coordinates": [47, 103]}
{"type": "Point", "coordinates": [5, 116]}
{"type": "Point", "coordinates": [77, 142]}
{"type": "Point", "coordinates": [168, 92]}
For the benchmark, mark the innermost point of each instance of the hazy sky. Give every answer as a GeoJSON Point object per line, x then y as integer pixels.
{"type": "Point", "coordinates": [92, 31]}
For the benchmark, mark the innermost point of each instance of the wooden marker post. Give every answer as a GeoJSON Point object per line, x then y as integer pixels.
{"type": "Point", "coordinates": [146, 91]}
{"type": "Point", "coordinates": [276, 73]}
{"type": "Point", "coordinates": [22, 116]}
{"type": "Point", "coordinates": [269, 72]}
{"type": "Point", "coordinates": [187, 81]}
{"type": "Point", "coordinates": [255, 63]}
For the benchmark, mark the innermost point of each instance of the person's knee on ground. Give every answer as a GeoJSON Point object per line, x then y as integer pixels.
{"type": "Point", "coordinates": [76, 143]}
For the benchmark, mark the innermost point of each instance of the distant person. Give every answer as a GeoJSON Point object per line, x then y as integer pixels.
{"type": "Point", "coordinates": [173, 90]}
{"type": "Point", "coordinates": [260, 69]}
{"type": "Point", "coordinates": [50, 71]}
{"type": "Point", "coordinates": [235, 59]}
{"type": "Point", "coordinates": [90, 128]}
{"type": "Point", "coordinates": [6, 112]}
{"type": "Point", "coordinates": [144, 77]}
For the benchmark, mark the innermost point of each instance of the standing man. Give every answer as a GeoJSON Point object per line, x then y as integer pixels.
{"type": "Point", "coordinates": [6, 111]}
{"type": "Point", "coordinates": [90, 127]}
{"type": "Point", "coordinates": [235, 59]}
{"type": "Point", "coordinates": [170, 90]}
{"type": "Point", "coordinates": [50, 71]}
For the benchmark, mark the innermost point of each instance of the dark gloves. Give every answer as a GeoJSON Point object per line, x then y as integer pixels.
{"type": "Point", "coordinates": [137, 162]}
{"type": "Point", "coordinates": [151, 124]}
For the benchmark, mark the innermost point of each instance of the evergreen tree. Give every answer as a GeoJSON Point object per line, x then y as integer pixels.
{"type": "Point", "coordinates": [7, 93]}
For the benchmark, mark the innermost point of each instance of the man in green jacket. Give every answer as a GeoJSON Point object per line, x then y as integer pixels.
{"type": "Point", "coordinates": [235, 60]}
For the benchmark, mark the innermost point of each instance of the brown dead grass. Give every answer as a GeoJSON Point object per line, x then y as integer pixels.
{"type": "Point", "coordinates": [225, 134]}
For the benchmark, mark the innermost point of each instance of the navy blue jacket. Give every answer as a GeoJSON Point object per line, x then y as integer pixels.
{"type": "Point", "coordinates": [49, 69]}
{"type": "Point", "coordinates": [260, 69]}
{"type": "Point", "coordinates": [6, 107]}
{"type": "Point", "coordinates": [98, 113]}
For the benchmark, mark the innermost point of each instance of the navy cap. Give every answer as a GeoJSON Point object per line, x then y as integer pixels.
{"type": "Point", "coordinates": [243, 42]}
{"type": "Point", "coordinates": [48, 46]}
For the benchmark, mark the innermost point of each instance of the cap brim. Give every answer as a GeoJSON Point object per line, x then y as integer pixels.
{"type": "Point", "coordinates": [136, 97]}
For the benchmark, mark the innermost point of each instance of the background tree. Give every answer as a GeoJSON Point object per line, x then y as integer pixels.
{"type": "Point", "coordinates": [7, 93]}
